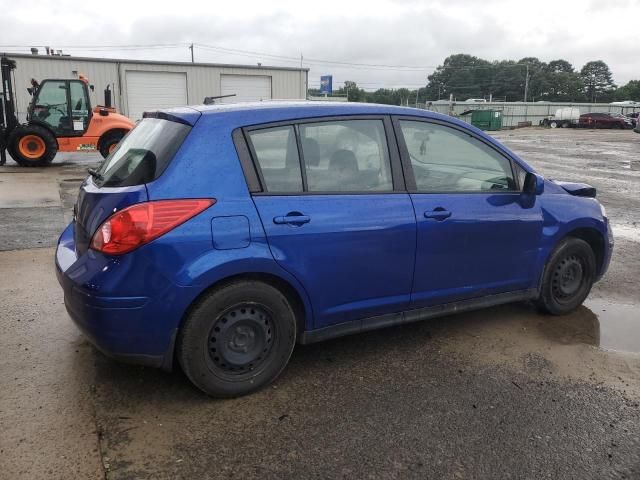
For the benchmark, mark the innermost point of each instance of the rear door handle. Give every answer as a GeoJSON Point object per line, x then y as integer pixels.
{"type": "Point", "coordinates": [291, 219]}
{"type": "Point", "coordinates": [438, 214]}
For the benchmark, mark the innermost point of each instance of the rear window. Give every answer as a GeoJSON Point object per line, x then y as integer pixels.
{"type": "Point", "coordinates": [143, 154]}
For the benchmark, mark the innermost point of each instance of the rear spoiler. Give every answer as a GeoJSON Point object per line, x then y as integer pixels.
{"type": "Point", "coordinates": [185, 115]}
{"type": "Point", "coordinates": [577, 189]}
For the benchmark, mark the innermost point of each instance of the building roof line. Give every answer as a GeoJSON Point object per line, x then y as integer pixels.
{"type": "Point", "coordinates": [151, 62]}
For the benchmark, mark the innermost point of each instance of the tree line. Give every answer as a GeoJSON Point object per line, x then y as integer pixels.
{"type": "Point", "coordinates": [466, 76]}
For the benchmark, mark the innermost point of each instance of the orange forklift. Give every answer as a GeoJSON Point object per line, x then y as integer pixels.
{"type": "Point", "coordinates": [59, 119]}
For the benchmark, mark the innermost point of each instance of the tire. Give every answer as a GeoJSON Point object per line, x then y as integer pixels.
{"type": "Point", "coordinates": [237, 339]}
{"type": "Point", "coordinates": [32, 146]}
{"type": "Point", "coordinates": [108, 142]}
{"type": "Point", "coordinates": [568, 277]}
{"type": "Point", "coordinates": [553, 124]}
{"type": "Point", "coordinates": [565, 125]}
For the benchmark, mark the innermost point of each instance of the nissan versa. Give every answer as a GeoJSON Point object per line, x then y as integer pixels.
{"type": "Point", "coordinates": [218, 237]}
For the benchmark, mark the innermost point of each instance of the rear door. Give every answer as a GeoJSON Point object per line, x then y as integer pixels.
{"type": "Point", "coordinates": [476, 236]}
{"type": "Point", "coordinates": [336, 214]}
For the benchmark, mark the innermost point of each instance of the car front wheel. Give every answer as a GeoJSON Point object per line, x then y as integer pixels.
{"type": "Point", "coordinates": [237, 339]}
{"type": "Point", "coordinates": [568, 277]}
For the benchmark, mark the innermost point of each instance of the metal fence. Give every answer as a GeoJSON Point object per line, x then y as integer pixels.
{"type": "Point", "coordinates": [514, 113]}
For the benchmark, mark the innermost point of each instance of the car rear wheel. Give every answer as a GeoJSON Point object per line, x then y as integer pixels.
{"type": "Point", "coordinates": [568, 277]}
{"type": "Point", "coordinates": [237, 339]}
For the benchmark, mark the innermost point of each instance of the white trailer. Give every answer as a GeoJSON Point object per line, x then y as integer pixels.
{"type": "Point", "coordinates": [564, 117]}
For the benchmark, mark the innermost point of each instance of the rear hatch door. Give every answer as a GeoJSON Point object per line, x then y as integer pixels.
{"type": "Point", "coordinates": [120, 181]}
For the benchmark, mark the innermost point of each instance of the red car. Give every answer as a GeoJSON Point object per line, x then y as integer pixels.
{"type": "Point", "coordinates": [601, 120]}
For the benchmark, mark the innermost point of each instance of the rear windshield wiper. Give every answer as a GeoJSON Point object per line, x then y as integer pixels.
{"type": "Point", "coordinates": [95, 174]}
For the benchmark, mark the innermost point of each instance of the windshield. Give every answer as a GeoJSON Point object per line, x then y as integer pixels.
{"type": "Point", "coordinates": [143, 154]}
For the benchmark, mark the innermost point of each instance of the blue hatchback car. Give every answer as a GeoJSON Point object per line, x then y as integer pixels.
{"type": "Point", "coordinates": [218, 237]}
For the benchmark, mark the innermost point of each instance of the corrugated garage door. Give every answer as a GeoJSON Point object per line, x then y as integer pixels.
{"type": "Point", "coordinates": [248, 88]}
{"type": "Point", "coordinates": [148, 91]}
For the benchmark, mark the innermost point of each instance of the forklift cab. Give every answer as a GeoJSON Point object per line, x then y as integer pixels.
{"type": "Point", "coordinates": [63, 106]}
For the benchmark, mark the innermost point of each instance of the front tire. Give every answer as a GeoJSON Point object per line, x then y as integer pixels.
{"type": "Point", "coordinates": [237, 339]}
{"type": "Point", "coordinates": [32, 146]}
{"type": "Point", "coordinates": [553, 124]}
{"type": "Point", "coordinates": [568, 277]}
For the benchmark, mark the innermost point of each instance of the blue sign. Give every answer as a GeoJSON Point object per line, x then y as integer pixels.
{"type": "Point", "coordinates": [326, 84]}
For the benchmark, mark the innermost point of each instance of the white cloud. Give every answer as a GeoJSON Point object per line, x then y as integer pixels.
{"type": "Point", "coordinates": [411, 32]}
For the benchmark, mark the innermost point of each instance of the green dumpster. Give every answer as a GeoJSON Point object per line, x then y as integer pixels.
{"type": "Point", "coordinates": [487, 119]}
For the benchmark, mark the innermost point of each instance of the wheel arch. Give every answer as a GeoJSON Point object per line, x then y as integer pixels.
{"type": "Point", "coordinates": [596, 241]}
{"type": "Point", "coordinates": [284, 286]}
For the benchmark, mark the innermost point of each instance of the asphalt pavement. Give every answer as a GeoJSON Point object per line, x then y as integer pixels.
{"type": "Point", "coordinates": [498, 393]}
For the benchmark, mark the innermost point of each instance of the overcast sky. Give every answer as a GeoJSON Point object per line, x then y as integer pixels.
{"type": "Point", "coordinates": [412, 36]}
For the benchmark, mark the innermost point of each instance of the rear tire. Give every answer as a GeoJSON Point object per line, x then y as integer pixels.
{"type": "Point", "coordinates": [109, 142]}
{"type": "Point", "coordinates": [237, 339]}
{"type": "Point", "coordinates": [568, 277]}
{"type": "Point", "coordinates": [32, 146]}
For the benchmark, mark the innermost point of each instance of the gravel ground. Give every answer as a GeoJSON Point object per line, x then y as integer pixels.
{"type": "Point", "coordinates": [498, 393]}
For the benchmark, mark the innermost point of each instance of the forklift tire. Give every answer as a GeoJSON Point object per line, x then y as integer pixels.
{"type": "Point", "coordinates": [32, 146]}
{"type": "Point", "coordinates": [109, 142]}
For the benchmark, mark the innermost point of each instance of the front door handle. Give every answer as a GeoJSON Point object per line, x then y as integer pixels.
{"type": "Point", "coordinates": [292, 219]}
{"type": "Point", "coordinates": [438, 214]}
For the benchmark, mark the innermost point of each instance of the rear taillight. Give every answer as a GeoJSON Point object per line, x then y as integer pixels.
{"type": "Point", "coordinates": [141, 223]}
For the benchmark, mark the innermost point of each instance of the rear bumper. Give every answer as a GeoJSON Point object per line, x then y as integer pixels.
{"type": "Point", "coordinates": [139, 328]}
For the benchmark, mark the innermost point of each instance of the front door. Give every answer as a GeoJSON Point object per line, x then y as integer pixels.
{"type": "Point", "coordinates": [333, 218]}
{"type": "Point", "coordinates": [476, 235]}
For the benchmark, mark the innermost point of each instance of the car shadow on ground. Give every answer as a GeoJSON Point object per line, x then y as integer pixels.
{"type": "Point", "coordinates": [394, 346]}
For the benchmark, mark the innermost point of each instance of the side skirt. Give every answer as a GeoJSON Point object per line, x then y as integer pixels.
{"type": "Point", "coordinates": [409, 316]}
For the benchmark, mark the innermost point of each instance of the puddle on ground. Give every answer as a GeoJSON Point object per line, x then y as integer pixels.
{"type": "Point", "coordinates": [604, 324]}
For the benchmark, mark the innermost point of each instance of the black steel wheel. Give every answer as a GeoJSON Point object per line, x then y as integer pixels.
{"type": "Point", "coordinates": [568, 277]}
{"type": "Point", "coordinates": [237, 338]}
{"type": "Point", "coordinates": [241, 340]}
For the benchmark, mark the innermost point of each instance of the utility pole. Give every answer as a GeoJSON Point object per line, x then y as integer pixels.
{"type": "Point", "coordinates": [191, 48]}
{"type": "Point", "coordinates": [526, 84]}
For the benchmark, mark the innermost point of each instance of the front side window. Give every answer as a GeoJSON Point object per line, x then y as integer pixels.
{"type": "Point", "coordinates": [444, 159]}
{"type": "Point", "coordinates": [346, 156]}
{"type": "Point", "coordinates": [276, 152]}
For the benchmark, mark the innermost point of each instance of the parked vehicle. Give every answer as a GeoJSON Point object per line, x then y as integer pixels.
{"type": "Point", "coordinates": [601, 120]}
{"type": "Point", "coordinates": [627, 120]}
{"type": "Point", "coordinates": [564, 117]}
{"type": "Point", "coordinates": [219, 237]}
{"type": "Point", "coordinates": [59, 118]}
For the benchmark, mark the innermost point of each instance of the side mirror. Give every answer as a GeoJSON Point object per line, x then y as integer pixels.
{"type": "Point", "coordinates": [533, 184]}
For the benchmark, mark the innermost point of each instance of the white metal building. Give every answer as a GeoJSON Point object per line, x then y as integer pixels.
{"type": "Point", "coordinates": [139, 86]}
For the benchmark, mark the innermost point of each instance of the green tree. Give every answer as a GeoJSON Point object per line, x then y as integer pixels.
{"type": "Point", "coordinates": [598, 81]}
{"type": "Point", "coordinates": [630, 91]}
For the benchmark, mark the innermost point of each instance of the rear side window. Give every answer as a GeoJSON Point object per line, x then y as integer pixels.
{"type": "Point", "coordinates": [276, 151]}
{"type": "Point", "coordinates": [346, 156]}
{"type": "Point", "coordinates": [143, 154]}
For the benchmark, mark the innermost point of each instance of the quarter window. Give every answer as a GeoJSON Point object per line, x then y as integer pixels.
{"type": "Point", "coordinates": [346, 156]}
{"type": "Point", "coordinates": [444, 159]}
{"type": "Point", "coordinates": [277, 155]}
